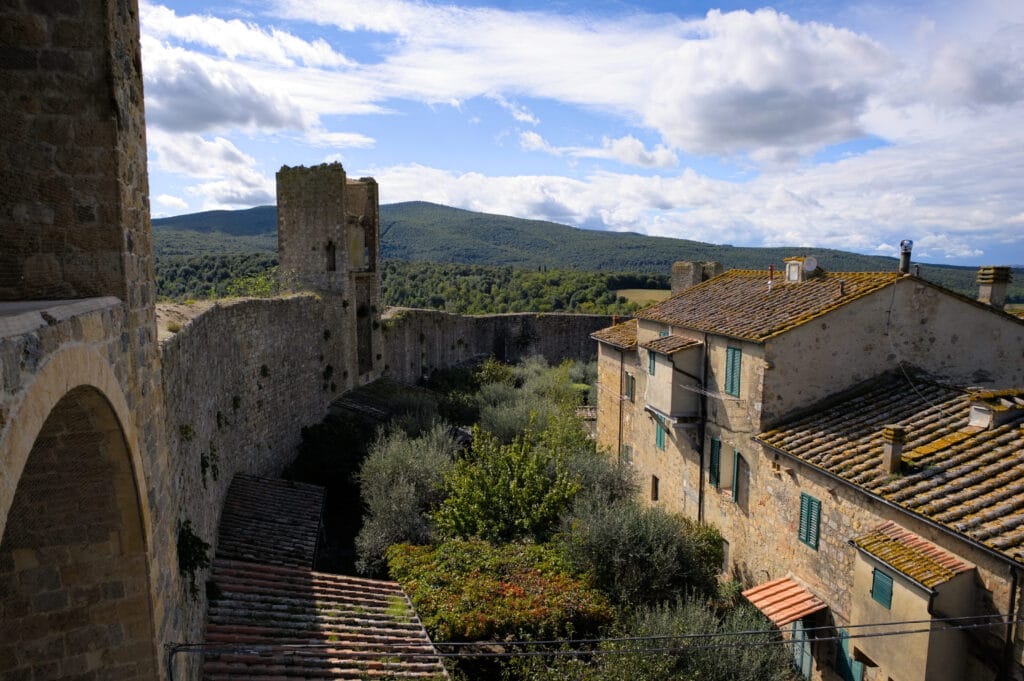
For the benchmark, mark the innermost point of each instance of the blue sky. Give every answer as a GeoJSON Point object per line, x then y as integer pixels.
{"type": "Point", "coordinates": [804, 124]}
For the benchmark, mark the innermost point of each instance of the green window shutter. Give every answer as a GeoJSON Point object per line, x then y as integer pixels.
{"type": "Point", "coordinates": [733, 360]}
{"type": "Point", "coordinates": [810, 520]}
{"type": "Point", "coordinates": [630, 387]}
{"type": "Point", "coordinates": [650, 362]}
{"type": "Point", "coordinates": [662, 334]}
{"type": "Point", "coordinates": [735, 475]}
{"type": "Point", "coordinates": [881, 588]}
{"type": "Point", "coordinates": [715, 465]}
{"type": "Point", "coordinates": [659, 434]}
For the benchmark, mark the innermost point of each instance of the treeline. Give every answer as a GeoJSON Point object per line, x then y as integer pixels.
{"type": "Point", "coordinates": [479, 289]}
{"type": "Point", "coordinates": [462, 289]}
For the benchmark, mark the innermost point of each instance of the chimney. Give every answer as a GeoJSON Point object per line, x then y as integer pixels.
{"type": "Point", "coordinates": [992, 285]}
{"type": "Point", "coordinates": [991, 409]}
{"type": "Point", "coordinates": [893, 438]}
{"type": "Point", "coordinates": [905, 247]}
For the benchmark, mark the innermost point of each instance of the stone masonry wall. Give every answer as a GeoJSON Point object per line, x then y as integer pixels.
{"type": "Point", "coordinates": [241, 380]}
{"type": "Point", "coordinates": [418, 341]}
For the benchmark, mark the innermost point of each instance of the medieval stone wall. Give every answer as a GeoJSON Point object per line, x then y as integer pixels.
{"type": "Point", "coordinates": [418, 341]}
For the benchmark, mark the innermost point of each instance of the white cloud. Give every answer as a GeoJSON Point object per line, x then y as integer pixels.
{"type": "Point", "coordinates": [237, 39]}
{"type": "Point", "coordinates": [232, 177]}
{"type": "Point", "coordinates": [171, 202]}
{"type": "Point", "coordinates": [963, 205]}
{"type": "Point", "coordinates": [519, 112]}
{"type": "Point", "coordinates": [628, 150]}
{"type": "Point", "coordinates": [319, 137]}
{"type": "Point", "coordinates": [186, 91]}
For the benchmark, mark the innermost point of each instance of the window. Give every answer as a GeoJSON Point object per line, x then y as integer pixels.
{"type": "Point", "coordinates": [659, 432]}
{"type": "Point", "coordinates": [626, 453]}
{"type": "Point", "coordinates": [651, 361]}
{"type": "Point", "coordinates": [631, 387]}
{"type": "Point", "coordinates": [881, 588]}
{"type": "Point", "coordinates": [332, 257]}
{"type": "Point", "coordinates": [810, 518]}
{"type": "Point", "coordinates": [662, 334]}
{"type": "Point", "coordinates": [732, 371]}
{"type": "Point", "coordinates": [654, 488]}
{"type": "Point", "coordinates": [715, 462]}
{"type": "Point", "coordinates": [740, 479]}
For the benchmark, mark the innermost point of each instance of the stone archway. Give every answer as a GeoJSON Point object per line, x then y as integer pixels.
{"type": "Point", "coordinates": [74, 585]}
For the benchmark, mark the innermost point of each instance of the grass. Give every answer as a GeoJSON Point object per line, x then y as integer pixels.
{"type": "Point", "coordinates": [643, 296]}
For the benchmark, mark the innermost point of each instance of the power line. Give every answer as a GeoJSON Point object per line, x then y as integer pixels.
{"type": "Point", "coordinates": [776, 639]}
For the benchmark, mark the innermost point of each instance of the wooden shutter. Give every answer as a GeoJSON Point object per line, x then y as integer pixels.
{"type": "Point", "coordinates": [735, 475]}
{"type": "Point", "coordinates": [810, 519]}
{"type": "Point", "coordinates": [881, 588]}
{"type": "Point", "coordinates": [733, 362]}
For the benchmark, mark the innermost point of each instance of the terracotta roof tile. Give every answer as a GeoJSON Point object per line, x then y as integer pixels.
{"type": "Point", "coordinates": [275, 618]}
{"type": "Point", "coordinates": [669, 345]}
{"type": "Point", "coordinates": [916, 558]}
{"type": "Point", "coordinates": [970, 479]}
{"type": "Point", "coordinates": [292, 623]}
{"type": "Point", "coordinates": [620, 336]}
{"type": "Point", "coordinates": [270, 521]}
{"type": "Point", "coordinates": [739, 304]}
{"type": "Point", "coordinates": [783, 600]}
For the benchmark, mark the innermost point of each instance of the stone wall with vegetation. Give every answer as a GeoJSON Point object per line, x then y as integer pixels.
{"type": "Point", "coordinates": [419, 341]}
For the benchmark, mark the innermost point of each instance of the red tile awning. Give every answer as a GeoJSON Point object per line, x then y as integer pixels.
{"type": "Point", "coordinates": [783, 600]}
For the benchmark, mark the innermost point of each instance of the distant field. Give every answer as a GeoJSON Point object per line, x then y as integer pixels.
{"type": "Point", "coordinates": [643, 296]}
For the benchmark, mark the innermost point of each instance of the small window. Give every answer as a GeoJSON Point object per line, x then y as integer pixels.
{"type": "Point", "coordinates": [881, 588]}
{"type": "Point", "coordinates": [332, 257]}
{"type": "Point", "coordinates": [662, 334]}
{"type": "Point", "coordinates": [659, 433]}
{"type": "Point", "coordinates": [810, 519]}
{"type": "Point", "coordinates": [626, 453]}
{"type": "Point", "coordinates": [651, 362]}
{"type": "Point", "coordinates": [715, 463]}
{"type": "Point", "coordinates": [654, 488]}
{"type": "Point", "coordinates": [631, 387]}
{"type": "Point", "coordinates": [733, 359]}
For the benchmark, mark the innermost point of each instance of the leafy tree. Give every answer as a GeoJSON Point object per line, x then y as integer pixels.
{"type": "Point", "coordinates": [503, 492]}
{"type": "Point", "coordinates": [642, 555]}
{"type": "Point", "coordinates": [400, 481]}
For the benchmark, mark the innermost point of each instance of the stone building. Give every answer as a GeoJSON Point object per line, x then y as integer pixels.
{"type": "Point", "coordinates": [742, 400]}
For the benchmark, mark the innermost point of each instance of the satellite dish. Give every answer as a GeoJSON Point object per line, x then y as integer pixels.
{"type": "Point", "coordinates": [810, 263]}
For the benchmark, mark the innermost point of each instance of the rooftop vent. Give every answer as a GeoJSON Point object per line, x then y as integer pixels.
{"type": "Point", "coordinates": [992, 285]}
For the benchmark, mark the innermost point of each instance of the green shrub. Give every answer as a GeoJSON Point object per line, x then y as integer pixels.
{"type": "Point", "coordinates": [400, 481]}
{"type": "Point", "coordinates": [740, 657]}
{"type": "Point", "coordinates": [470, 590]}
{"type": "Point", "coordinates": [642, 555]}
{"type": "Point", "coordinates": [503, 492]}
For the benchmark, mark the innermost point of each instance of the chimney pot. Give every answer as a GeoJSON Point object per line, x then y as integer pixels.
{"type": "Point", "coordinates": [906, 246]}
{"type": "Point", "coordinates": [893, 438]}
{"type": "Point", "coordinates": [992, 285]}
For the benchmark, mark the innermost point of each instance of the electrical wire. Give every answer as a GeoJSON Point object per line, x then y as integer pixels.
{"type": "Point", "coordinates": [776, 639]}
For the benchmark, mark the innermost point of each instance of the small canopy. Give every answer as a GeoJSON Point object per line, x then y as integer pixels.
{"type": "Point", "coordinates": [783, 600]}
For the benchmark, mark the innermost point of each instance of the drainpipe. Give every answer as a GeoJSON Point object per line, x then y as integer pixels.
{"type": "Point", "coordinates": [1011, 627]}
{"type": "Point", "coordinates": [622, 385]}
{"type": "Point", "coordinates": [701, 428]}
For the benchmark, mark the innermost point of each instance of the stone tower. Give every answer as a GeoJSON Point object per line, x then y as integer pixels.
{"type": "Point", "coordinates": [328, 232]}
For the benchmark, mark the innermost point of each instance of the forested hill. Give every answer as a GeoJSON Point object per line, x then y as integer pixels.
{"type": "Point", "coordinates": [424, 231]}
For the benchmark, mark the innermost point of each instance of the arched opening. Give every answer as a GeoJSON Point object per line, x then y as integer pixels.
{"type": "Point", "coordinates": [74, 589]}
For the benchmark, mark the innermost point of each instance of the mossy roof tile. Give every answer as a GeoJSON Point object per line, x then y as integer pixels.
{"type": "Point", "coordinates": [739, 303]}
{"type": "Point", "coordinates": [967, 478]}
{"type": "Point", "coordinates": [916, 558]}
{"type": "Point", "coordinates": [621, 336]}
